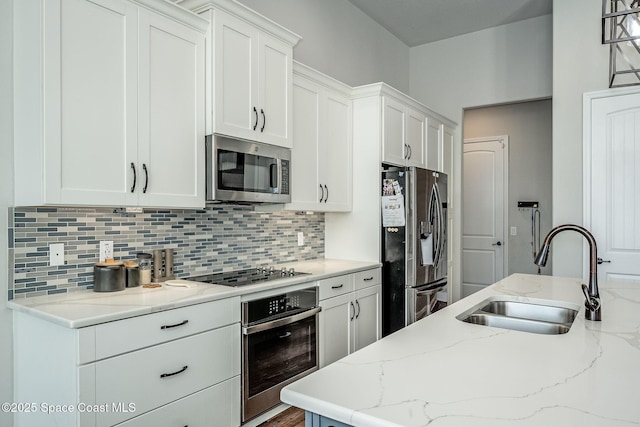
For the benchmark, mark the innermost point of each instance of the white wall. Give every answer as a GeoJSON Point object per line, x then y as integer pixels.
{"type": "Point", "coordinates": [580, 64]}
{"type": "Point", "coordinates": [6, 199]}
{"type": "Point", "coordinates": [338, 39]}
{"type": "Point", "coordinates": [499, 65]}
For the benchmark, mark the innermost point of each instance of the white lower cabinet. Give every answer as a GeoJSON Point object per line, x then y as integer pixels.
{"type": "Point", "coordinates": [213, 406]}
{"type": "Point", "coordinates": [185, 368]}
{"type": "Point", "coordinates": [351, 314]}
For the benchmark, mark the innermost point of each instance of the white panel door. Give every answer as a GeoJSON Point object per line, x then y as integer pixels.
{"type": "Point", "coordinates": [171, 114]}
{"type": "Point", "coordinates": [415, 137]}
{"type": "Point", "coordinates": [434, 144]}
{"type": "Point", "coordinates": [368, 316]}
{"type": "Point", "coordinates": [483, 218]}
{"type": "Point", "coordinates": [612, 181]}
{"type": "Point", "coordinates": [336, 328]}
{"type": "Point", "coordinates": [91, 133]}
{"type": "Point", "coordinates": [305, 191]}
{"type": "Point", "coordinates": [334, 153]}
{"type": "Point", "coordinates": [235, 69]}
{"type": "Point", "coordinates": [393, 147]}
{"type": "Point", "coordinates": [275, 92]}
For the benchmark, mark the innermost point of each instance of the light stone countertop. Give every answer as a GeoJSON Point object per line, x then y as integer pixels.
{"type": "Point", "coordinates": [444, 372]}
{"type": "Point", "coordinates": [86, 308]}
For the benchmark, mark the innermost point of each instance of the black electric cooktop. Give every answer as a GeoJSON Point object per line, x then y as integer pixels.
{"type": "Point", "coordinates": [250, 276]}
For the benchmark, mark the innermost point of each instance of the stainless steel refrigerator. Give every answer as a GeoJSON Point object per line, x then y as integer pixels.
{"type": "Point", "coordinates": [414, 245]}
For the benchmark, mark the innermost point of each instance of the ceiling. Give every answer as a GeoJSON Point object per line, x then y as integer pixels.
{"type": "Point", "coordinates": [417, 22]}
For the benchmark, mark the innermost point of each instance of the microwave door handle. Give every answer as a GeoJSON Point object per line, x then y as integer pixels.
{"type": "Point", "coordinates": [273, 175]}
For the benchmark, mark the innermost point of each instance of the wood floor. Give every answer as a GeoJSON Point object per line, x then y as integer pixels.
{"type": "Point", "coordinates": [291, 417]}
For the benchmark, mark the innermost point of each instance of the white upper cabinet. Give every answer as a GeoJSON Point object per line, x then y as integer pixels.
{"type": "Point", "coordinates": [434, 144]}
{"type": "Point", "coordinates": [249, 73]}
{"type": "Point", "coordinates": [403, 133]}
{"type": "Point", "coordinates": [321, 158]}
{"type": "Point", "coordinates": [171, 113]}
{"type": "Point", "coordinates": [102, 108]}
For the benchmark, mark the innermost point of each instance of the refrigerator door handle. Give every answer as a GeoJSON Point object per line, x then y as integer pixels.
{"type": "Point", "coordinates": [439, 240]}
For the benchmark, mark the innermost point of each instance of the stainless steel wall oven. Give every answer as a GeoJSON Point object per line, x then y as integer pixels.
{"type": "Point", "coordinates": [279, 346]}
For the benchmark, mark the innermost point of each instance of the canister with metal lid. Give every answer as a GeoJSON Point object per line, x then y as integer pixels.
{"type": "Point", "coordinates": [144, 263]}
{"type": "Point", "coordinates": [132, 274]}
{"type": "Point", "coordinates": [108, 276]}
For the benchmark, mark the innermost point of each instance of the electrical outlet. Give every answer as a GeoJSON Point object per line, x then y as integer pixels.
{"type": "Point", "coordinates": [106, 249]}
{"type": "Point", "coordinates": [300, 238]}
{"type": "Point", "coordinates": [56, 254]}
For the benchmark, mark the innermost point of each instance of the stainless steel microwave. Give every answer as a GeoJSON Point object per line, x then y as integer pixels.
{"type": "Point", "coordinates": [246, 171]}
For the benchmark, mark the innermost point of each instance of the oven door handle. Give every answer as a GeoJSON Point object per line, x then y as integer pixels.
{"type": "Point", "coordinates": [248, 330]}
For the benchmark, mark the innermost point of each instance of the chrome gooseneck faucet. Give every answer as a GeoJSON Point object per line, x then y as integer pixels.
{"type": "Point", "coordinates": [591, 293]}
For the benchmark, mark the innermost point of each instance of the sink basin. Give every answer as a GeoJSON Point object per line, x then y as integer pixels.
{"type": "Point", "coordinates": [536, 316]}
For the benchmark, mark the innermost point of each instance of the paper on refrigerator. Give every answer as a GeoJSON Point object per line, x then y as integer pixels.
{"type": "Point", "coordinates": [393, 211]}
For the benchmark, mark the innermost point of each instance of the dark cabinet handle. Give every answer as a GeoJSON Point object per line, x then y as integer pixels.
{"type": "Point", "coordinates": [368, 279]}
{"type": "Point", "coordinates": [184, 368]}
{"type": "Point", "coordinates": [133, 187]}
{"type": "Point", "coordinates": [184, 322]}
{"type": "Point", "coordinates": [338, 286]}
{"type": "Point", "coordinates": [326, 196]}
{"type": "Point", "coordinates": [358, 304]}
{"type": "Point", "coordinates": [264, 120]}
{"type": "Point", "coordinates": [146, 178]}
{"type": "Point", "coordinates": [255, 125]}
{"type": "Point", "coordinates": [354, 310]}
{"type": "Point", "coordinates": [410, 151]}
{"type": "Point", "coordinates": [321, 194]}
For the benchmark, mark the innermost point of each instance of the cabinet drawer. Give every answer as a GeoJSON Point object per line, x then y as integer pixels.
{"type": "Point", "coordinates": [335, 286]}
{"type": "Point", "coordinates": [364, 279]}
{"type": "Point", "coordinates": [155, 376]}
{"type": "Point", "coordinates": [126, 335]}
{"type": "Point", "coordinates": [215, 406]}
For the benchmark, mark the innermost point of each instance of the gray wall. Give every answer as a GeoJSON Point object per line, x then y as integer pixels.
{"type": "Point", "coordinates": [528, 126]}
{"type": "Point", "coordinates": [339, 40]}
{"type": "Point", "coordinates": [6, 199]}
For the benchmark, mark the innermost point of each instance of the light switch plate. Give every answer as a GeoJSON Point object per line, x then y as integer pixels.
{"type": "Point", "coordinates": [514, 231]}
{"type": "Point", "coordinates": [300, 238]}
{"type": "Point", "coordinates": [56, 254]}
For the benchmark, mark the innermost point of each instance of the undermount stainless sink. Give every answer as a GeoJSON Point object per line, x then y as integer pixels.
{"type": "Point", "coordinates": [536, 316]}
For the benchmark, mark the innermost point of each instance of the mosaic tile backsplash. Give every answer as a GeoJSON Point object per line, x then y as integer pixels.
{"type": "Point", "coordinates": [215, 239]}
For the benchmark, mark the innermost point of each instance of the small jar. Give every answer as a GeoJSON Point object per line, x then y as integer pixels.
{"type": "Point", "coordinates": [144, 263]}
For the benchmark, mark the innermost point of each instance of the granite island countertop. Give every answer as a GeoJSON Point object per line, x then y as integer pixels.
{"type": "Point", "coordinates": [444, 372]}
{"type": "Point", "coordinates": [86, 308]}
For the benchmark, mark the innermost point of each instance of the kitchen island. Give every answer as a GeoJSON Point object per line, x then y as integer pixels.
{"type": "Point", "coordinates": [441, 371]}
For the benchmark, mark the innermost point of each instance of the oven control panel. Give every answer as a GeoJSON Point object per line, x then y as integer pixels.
{"type": "Point", "coordinates": [276, 306]}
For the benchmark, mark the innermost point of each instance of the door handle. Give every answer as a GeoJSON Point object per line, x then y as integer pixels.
{"type": "Point", "coordinates": [602, 261]}
{"type": "Point", "coordinates": [497, 244]}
